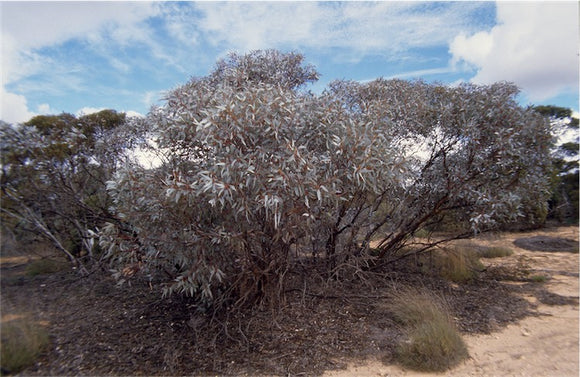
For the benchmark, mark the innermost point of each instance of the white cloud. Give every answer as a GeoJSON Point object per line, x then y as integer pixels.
{"type": "Point", "coordinates": [39, 24]}
{"type": "Point", "coordinates": [152, 97]}
{"type": "Point", "coordinates": [534, 44]}
{"type": "Point", "coordinates": [92, 110]}
{"type": "Point", "coordinates": [27, 26]}
{"type": "Point", "coordinates": [14, 108]}
{"type": "Point", "coordinates": [385, 28]}
{"type": "Point", "coordinates": [257, 25]}
{"type": "Point", "coordinates": [16, 62]}
{"type": "Point", "coordinates": [44, 108]}
{"type": "Point", "coordinates": [474, 48]}
{"type": "Point", "coordinates": [134, 114]}
{"type": "Point", "coordinates": [119, 65]}
{"type": "Point", "coordinates": [179, 22]}
{"type": "Point", "coordinates": [421, 72]}
{"type": "Point", "coordinates": [88, 110]}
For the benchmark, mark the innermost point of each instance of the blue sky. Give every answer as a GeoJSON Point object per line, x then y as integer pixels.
{"type": "Point", "coordinates": [79, 57]}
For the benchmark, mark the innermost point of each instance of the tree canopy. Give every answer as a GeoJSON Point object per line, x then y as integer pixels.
{"type": "Point", "coordinates": [54, 174]}
{"type": "Point", "coordinates": [260, 175]}
{"type": "Point", "coordinates": [563, 203]}
{"type": "Point", "coordinates": [554, 111]}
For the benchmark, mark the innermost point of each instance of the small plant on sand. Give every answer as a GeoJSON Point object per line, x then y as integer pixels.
{"type": "Point", "coordinates": [495, 252]}
{"type": "Point", "coordinates": [21, 343]}
{"type": "Point", "coordinates": [433, 342]}
{"type": "Point", "coordinates": [538, 278]}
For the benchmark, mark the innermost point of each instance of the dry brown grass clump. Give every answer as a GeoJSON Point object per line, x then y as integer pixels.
{"type": "Point", "coordinates": [459, 264]}
{"type": "Point", "coordinates": [432, 343]}
{"type": "Point", "coordinates": [21, 342]}
{"type": "Point", "coordinates": [45, 266]}
{"type": "Point", "coordinates": [495, 252]}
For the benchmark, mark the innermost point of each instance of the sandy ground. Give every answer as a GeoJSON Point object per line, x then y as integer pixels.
{"type": "Point", "coordinates": [546, 344]}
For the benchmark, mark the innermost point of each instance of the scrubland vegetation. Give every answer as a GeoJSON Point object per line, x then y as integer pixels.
{"type": "Point", "coordinates": [433, 343]}
{"type": "Point", "coordinates": [22, 341]}
{"type": "Point", "coordinates": [495, 252]}
{"type": "Point", "coordinates": [261, 185]}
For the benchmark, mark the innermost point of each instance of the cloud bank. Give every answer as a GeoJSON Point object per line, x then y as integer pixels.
{"type": "Point", "coordinates": [534, 44]}
{"type": "Point", "coordinates": [129, 52]}
{"type": "Point", "coordinates": [30, 27]}
{"type": "Point", "coordinates": [377, 28]}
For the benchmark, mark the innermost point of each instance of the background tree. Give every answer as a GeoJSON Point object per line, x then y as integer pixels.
{"type": "Point", "coordinates": [260, 176]}
{"type": "Point", "coordinates": [54, 173]}
{"type": "Point", "coordinates": [564, 204]}
{"type": "Point", "coordinates": [464, 149]}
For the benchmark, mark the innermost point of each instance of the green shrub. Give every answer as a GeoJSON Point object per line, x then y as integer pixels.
{"type": "Point", "coordinates": [495, 252]}
{"type": "Point", "coordinates": [21, 343]}
{"type": "Point", "coordinates": [433, 342]}
{"type": "Point", "coordinates": [538, 278]}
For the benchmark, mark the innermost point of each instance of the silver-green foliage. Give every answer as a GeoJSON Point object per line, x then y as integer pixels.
{"type": "Point", "coordinates": [54, 170]}
{"type": "Point", "coordinates": [259, 172]}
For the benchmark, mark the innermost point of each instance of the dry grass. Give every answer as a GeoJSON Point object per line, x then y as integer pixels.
{"type": "Point", "coordinates": [459, 264]}
{"type": "Point", "coordinates": [21, 343]}
{"type": "Point", "coordinates": [433, 342]}
{"type": "Point", "coordinates": [495, 252]}
{"type": "Point", "coordinates": [411, 307]}
{"type": "Point", "coordinates": [44, 266]}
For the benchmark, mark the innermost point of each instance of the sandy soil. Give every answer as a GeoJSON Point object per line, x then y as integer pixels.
{"type": "Point", "coordinates": [545, 344]}
{"type": "Point", "coordinates": [513, 325]}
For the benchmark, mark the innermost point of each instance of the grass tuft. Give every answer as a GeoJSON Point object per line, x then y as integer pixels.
{"type": "Point", "coordinates": [433, 342]}
{"type": "Point", "coordinates": [495, 252]}
{"type": "Point", "coordinates": [433, 346]}
{"type": "Point", "coordinates": [460, 265]}
{"type": "Point", "coordinates": [21, 343]}
{"type": "Point", "coordinates": [538, 278]}
{"type": "Point", "coordinates": [44, 266]}
{"type": "Point", "coordinates": [411, 307]}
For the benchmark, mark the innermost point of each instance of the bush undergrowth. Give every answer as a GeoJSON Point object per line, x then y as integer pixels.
{"type": "Point", "coordinates": [21, 343]}
{"type": "Point", "coordinates": [495, 252]}
{"type": "Point", "coordinates": [44, 266]}
{"type": "Point", "coordinates": [460, 264]}
{"type": "Point", "coordinates": [433, 342]}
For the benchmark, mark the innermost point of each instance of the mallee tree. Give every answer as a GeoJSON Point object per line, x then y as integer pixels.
{"type": "Point", "coordinates": [54, 170]}
{"type": "Point", "coordinates": [260, 174]}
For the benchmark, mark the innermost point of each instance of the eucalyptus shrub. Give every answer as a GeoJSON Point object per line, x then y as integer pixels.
{"type": "Point", "coordinates": [259, 173]}
{"type": "Point", "coordinates": [473, 154]}
{"type": "Point", "coordinates": [54, 170]}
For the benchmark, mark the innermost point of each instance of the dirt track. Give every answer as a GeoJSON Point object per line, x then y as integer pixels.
{"type": "Point", "coordinates": [542, 345]}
